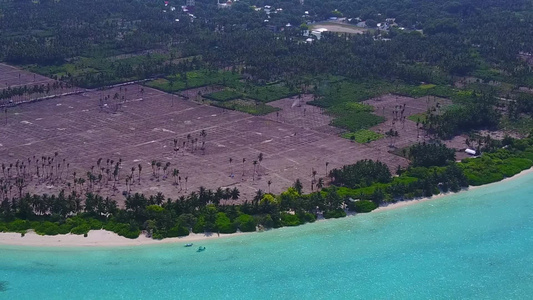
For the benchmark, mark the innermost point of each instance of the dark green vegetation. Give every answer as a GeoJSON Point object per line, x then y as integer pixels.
{"type": "Point", "coordinates": [426, 155]}
{"type": "Point", "coordinates": [224, 95]}
{"type": "Point", "coordinates": [354, 116]}
{"type": "Point", "coordinates": [250, 107]}
{"type": "Point", "coordinates": [479, 113]}
{"type": "Point", "coordinates": [362, 136]}
{"type": "Point", "coordinates": [194, 79]}
{"type": "Point", "coordinates": [360, 187]}
{"type": "Point", "coordinates": [269, 93]}
{"type": "Point", "coordinates": [434, 172]}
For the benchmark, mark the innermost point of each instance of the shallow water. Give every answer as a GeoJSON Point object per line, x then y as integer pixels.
{"type": "Point", "coordinates": [477, 245]}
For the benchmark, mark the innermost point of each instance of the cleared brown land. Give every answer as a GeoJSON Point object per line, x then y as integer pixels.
{"type": "Point", "coordinates": [9, 77]}
{"type": "Point", "coordinates": [142, 128]}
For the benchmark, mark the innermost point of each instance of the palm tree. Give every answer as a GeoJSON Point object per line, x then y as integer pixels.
{"type": "Point", "coordinates": [203, 134]}
{"type": "Point", "coordinates": [153, 167]}
{"type": "Point", "coordinates": [128, 184]}
{"type": "Point", "coordinates": [165, 168]}
{"type": "Point", "coordinates": [260, 158]}
{"type": "Point", "coordinates": [131, 175]}
{"type": "Point", "coordinates": [298, 186]}
{"type": "Point", "coordinates": [175, 174]}
{"type": "Point", "coordinates": [158, 165]}
{"type": "Point", "coordinates": [176, 149]}
{"type": "Point", "coordinates": [243, 161]}
{"type": "Point", "coordinates": [327, 164]}
{"type": "Point", "coordinates": [253, 175]}
{"type": "Point", "coordinates": [230, 164]}
{"type": "Point", "coordinates": [139, 167]}
{"type": "Point", "coordinates": [235, 193]}
{"type": "Point", "coordinates": [269, 183]}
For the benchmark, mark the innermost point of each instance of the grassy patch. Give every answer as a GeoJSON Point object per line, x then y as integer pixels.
{"type": "Point", "coordinates": [363, 136]}
{"type": "Point", "coordinates": [98, 71]}
{"type": "Point", "coordinates": [427, 86]}
{"type": "Point", "coordinates": [270, 92]}
{"type": "Point", "coordinates": [335, 93]}
{"type": "Point", "coordinates": [420, 117]}
{"type": "Point", "coordinates": [193, 79]}
{"type": "Point", "coordinates": [354, 116]}
{"type": "Point", "coordinates": [250, 107]}
{"type": "Point", "coordinates": [224, 95]}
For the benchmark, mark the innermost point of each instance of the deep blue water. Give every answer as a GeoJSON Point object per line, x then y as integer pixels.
{"type": "Point", "coordinates": [473, 245]}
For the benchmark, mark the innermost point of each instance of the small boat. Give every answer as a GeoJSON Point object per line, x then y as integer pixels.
{"type": "Point", "coordinates": [200, 249]}
{"type": "Point", "coordinates": [188, 245]}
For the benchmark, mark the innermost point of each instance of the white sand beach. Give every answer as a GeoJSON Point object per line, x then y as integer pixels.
{"type": "Point", "coordinates": [96, 238]}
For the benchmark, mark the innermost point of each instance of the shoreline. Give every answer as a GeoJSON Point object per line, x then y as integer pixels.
{"type": "Point", "coordinates": [103, 238]}
{"type": "Point", "coordinates": [98, 238]}
{"type": "Point", "coordinates": [409, 202]}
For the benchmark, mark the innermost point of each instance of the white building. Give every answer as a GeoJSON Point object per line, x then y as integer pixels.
{"type": "Point", "coordinates": [318, 32]}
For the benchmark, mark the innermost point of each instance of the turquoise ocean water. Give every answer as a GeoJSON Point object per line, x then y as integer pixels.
{"type": "Point", "coordinates": [473, 245]}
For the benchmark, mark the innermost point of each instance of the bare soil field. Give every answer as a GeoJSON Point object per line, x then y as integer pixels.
{"type": "Point", "coordinates": [143, 125]}
{"type": "Point", "coordinates": [13, 77]}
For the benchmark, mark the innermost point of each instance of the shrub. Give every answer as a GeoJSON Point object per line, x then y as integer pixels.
{"type": "Point", "coordinates": [199, 226]}
{"type": "Point", "coordinates": [246, 223]}
{"type": "Point", "coordinates": [64, 229]}
{"type": "Point", "coordinates": [306, 217]}
{"type": "Point", "coordinates": [224, 224]}
{"type": "Point", "coordinates": [81, 229]}
{"type": "Point", "coordinates": [267, 221]}
{"type": "Point", "coordinates": [47, 228]}
{"type": "Point", "coordinates": [363, 206]}
{"type": "Point", "coordinates": [178, 231]}
{"type": "Point", "coordinates": [290, 220]}
{"type": "Point", "coordinates": [157, 235]}
{"type": "Point", "coordinates": [94, 224]}
{"type": "Point", "coordinates": [18, 225]}
{"type": "Point", "coordinates": [337, 213]}
{"type": "Point", "coordinates": [126, 230]}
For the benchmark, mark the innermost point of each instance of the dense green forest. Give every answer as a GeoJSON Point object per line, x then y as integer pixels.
{"type": "Point", "coordinates": [458, 38]}
{"type": "Point", "coordinates": [359, 188]}
{"type": "Point", "coordinates": [439, 43]}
